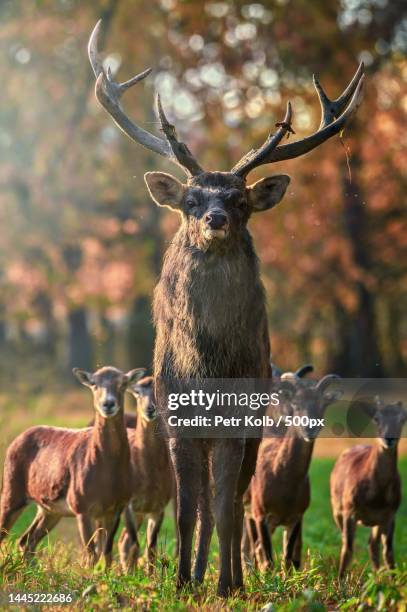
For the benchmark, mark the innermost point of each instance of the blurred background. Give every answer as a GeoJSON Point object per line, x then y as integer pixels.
{"type": "Point", "coordinates": [81, 244]}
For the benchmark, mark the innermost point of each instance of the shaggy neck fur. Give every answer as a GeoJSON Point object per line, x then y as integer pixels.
{"type": "Point", "coordinates": [209, 310]}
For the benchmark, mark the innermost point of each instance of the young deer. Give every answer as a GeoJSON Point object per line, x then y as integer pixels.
{"type": "Point", "coordinates": [73, 472]}
{"type": "Point", "coordinates": [279, 492]}
{"type": "Point", "coordinates": [152, 481]}
{"type": "Point", "coordinates": [209, 305]}
{"type": "Point", "coordinates": [366, 489]}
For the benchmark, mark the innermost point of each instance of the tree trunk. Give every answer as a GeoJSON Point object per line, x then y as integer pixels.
{"type": "Point", "coordinates": [358, 352]}
{"type": "Point", "coordinates": [140, 334]}
{"type": "Point", "coordinates": [3, 326]}
{"type": "Point", "coordinates": [44, 308]}
{"type": "Point", "coordinates": [79, 340]}
{"type": "Point", "coordinates": [393, 336]}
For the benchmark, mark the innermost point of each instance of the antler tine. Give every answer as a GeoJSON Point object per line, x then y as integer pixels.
{"type": "Point", "coordinates": [332, 109]}
{"type": "Point", "coordinates": [179, 149]}
{"type": "Point", "coordinates": [93, 53]}
{"type": "Point", "coordinates": [127, 84]}
{"type": "Point", "coordinates": [256, 157]}
{"type": "Point", "coordinates": [108, 94]}
{"type": "Point", "coordinates": [331, 124]}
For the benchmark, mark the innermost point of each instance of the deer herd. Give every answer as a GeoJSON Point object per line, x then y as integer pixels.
{"type": "Point", "coordinates": [211, 323]}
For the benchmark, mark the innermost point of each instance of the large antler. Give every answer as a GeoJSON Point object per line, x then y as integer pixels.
{"type": "Point", "coordinates": [335, 115]}
{"type": "Point", "coordinates": [108, 93]}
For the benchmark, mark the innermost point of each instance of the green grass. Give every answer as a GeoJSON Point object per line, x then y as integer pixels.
{"type": "Point", "coordinates": [57, 569]}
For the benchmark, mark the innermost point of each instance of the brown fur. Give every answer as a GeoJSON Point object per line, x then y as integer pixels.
{"type": "Point", "coordinates": [83, 473]}
{"type": "Point", "coordinates": [210, 317]}
{"type": "Point", "coordinates": [152, 478]}
{"type": "Point", "coordinates": [366, 488]}
{"type": "Point", "coordinates": [279, 495]}
{"type": "Point", "coordinates": [279, 492]}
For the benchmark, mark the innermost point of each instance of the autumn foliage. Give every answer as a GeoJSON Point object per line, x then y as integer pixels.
{"type": "Point", "coordinates": [80, 242]}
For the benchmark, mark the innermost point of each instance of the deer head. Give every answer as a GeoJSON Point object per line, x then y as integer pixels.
{"type": "Point", "coordinates": [389, 419]}
{"type": "Point", "coordinates": [143, 393]}
{"type": "Point", "coordinates": [303, 399]}
{"type": "Point", "coordinates": [215, 206]}
{"type": "Point", "coordinates": [108, 386]}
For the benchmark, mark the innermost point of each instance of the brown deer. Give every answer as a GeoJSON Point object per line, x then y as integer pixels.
{"type": "Point", "coordinates": [209, 305]}
{"type": "Point", "coordinates": [83, 473]}
{"type": "Point", "coordinates": [366, 488]}
{"type": "Point", "coordinates": [152, 478]}
{"type": "Point", "coordinates": [279, 491]}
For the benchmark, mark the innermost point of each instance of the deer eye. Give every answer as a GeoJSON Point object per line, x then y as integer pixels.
{"type": "Point", "coordinates": [235, 198]}
{"type": "Point", "coordinates": [190, 202]}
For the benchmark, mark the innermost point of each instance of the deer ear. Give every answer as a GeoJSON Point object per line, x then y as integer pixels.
{"type": "Point", "coordinates": [165, 189]}
{"type": "Point", "coordinates": [135, 391]}
{"type": "Point", "coordinates": [86, 378]}
{"type": "Point", "coordinates": [267, 192]}
{"type": "Point", "coordinates": [134, 376]}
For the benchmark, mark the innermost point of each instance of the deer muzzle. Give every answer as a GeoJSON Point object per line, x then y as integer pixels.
{"type": "Point", "coordinates": [109, 407]}
{"type": "Point", "coordinates": [216, 224]}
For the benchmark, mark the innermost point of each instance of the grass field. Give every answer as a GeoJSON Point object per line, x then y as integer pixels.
{"type": "Point", "coordinates": [57, 567]}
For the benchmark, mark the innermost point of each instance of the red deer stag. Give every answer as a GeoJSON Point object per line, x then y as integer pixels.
{"type": "Point", "coordinates": [73, 472]}
{"type": "Point", "coordinates": [366, 488]}
{"type": "Point", "coordinates": [209, 304]}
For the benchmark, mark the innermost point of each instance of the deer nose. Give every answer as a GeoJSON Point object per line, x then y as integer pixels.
{"type": "Point", "coordinates": [108, 405]}
{"type": "Point", "coordinates": [215, 220]}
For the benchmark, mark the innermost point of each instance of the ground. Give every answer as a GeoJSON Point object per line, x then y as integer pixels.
{"type": "Point", "coordinates": [58, 569]}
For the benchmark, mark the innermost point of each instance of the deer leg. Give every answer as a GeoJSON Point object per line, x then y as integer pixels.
{"type": "Point", "coordinates": [100, 537]}
{"type": "Point", "coordinates": [129, 547]}
{"type": "Point", "coordinates": [298, 547]}
{"type": "Point", "coordinates": [153, 529]}
{"type": "Point", "coordinates": [374, 546]}
{"type": "Point", "coordinates": [12, 506]}
{"type": "Point", "coordinates": [348, 535]}
{"type": "Point", "coordinates": [237, 570]}
{"type": "Point", "coordinates": [249, 542]}
{"type": "Point", "coordinates": [248, 466]}
{"type": "Point", "coordinates": [205, 529]}
{"type": "Point", "coordinates": [22, 542]}
{"type": "Point", "coordinates": [387, 542]}
{"type": "Point", "coordinates": [111, 525]}
{"type": "Point", "coordinates": [290, 537]}
{"type": "Point", "coordinates": [88, 538]}
{"type": "Point", "coordinates": [186, 457]}
{"type": "Point", "coordinates": [264, 552]}
{"type": "Point", "coordinates": [174, 511]}
{"type": "Point", "coordinates": [226, 466]}
{"type": "Point", "coordinates": [43, 523]}
{"type": "Point", "coordinates": [224, 527]}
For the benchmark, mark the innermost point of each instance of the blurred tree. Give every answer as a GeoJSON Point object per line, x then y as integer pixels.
{"type": "Point", "coordinates": [279, 44]}
{"type": "Point", "coordinates": [332, 255]}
